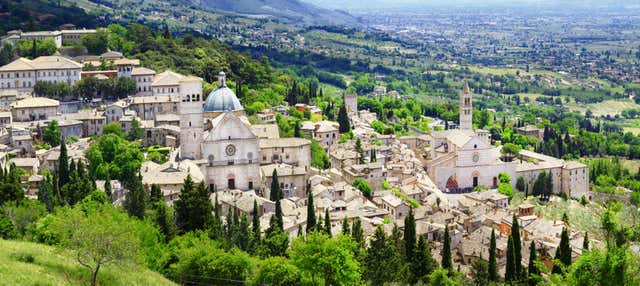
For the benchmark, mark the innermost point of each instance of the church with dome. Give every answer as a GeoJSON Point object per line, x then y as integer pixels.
{"type": "Point", "coordinates": [217, 137]}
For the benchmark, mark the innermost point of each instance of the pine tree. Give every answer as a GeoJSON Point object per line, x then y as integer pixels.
{"type": "Point", "coordinates": [447, 262]}
{"type": "Point", "coordinates": [193, 208]}
{"type": "Point", "coordinates": [311, 213]}
{"type": "Point", "coordinates": [278, 216]}
{"type": "Point", "coordinates": [423, 263]}
{"type": "Point", "coordinates": [563, 252]}
{"type": "Point", "coordinates": [378, 259]}
{"type": "Point", "coordinates": [164, 220]}
{"type": "Point", "coordinates": [46, 193]}
{"type": "Point", "coordinates": [409, 235]}
{"type": "Point", "coordinates": [156, 193]}
{"type": "Point", "coordinates": [255, 227]}
{"type": "Point", "coordinates": [243, 233]}
{"type": "Point", "coordinates": [134, 201]}
{"type": "Point", "coordinates": [357, 233]}
{"type": "Point", "coordinates": [510, 267]}
{"type": "Point", "coordinates": [63, 165]}
{"type": "Point", "coordinates": [493, 264]}
{"type": "Point", "coordinates": [343, 120]}
{"type": "Point", "coordinates": [345, 227]}
{"type": "Point", "coordinates": [359, 150]}
{"type": "Point", "coordinates": [517, 244]}
{"type": "Point", "coordinates": [532, 269]}
{"type": "Point", "coordinates": [327, 222]}
{"type": "Point", "coordinates": [274, 193]}
{"type": "Point", "coordinates": [585, 242]}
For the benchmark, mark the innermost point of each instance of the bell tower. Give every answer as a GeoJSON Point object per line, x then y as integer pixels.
{"type": "Point", "coordinates": [466, 108]}
{"type": "Point", "coordinates": [191, 118]}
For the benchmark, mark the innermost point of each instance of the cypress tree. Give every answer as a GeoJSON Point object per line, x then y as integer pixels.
{"type": "Point", "coordinates": [274, 193]}
{"type": "Point", "coordinates": [278, 215]}
{"type": "Point", "coordinates": [327, 222]}
{"type": "Point", "coordinates": [510, 268]}
{"type": "Point", "coordinates": [343, 120]}
{"type": "Point", "coordinates": [359, 150]}
{"type": "Point", "coordinates": [563, 252]}
{"type": "Point", "coordinates": [164, 220]}
{"type": "Point", "coordinates": [517, 245]}
{"type": "Point", "coordinates": [63, 165]}
{"type": "Point", "coordinates": [378, 259]}
{"type": "Point", "coordinates": [156, 193]}
{"type": "Point", "coordinates": [311, 213]}
{"type": "Point", "coordinates": [229, 227]}
{"type": "Point", "coordinates": [216, 231]}
{"type": "Point", "coordinates": [409, 235]}
{"type": "Point", "coordinates": [447, 262]}
{"type": "Point", "coordinates": [532, 269]}
{"type": "Point", "coordinates": [423, 263]}
{"type": "Point", "coordinates": [134, 201]}
{"type": "Point", "coordinates": [345, 227]}
{"type": "Point", "coordinates": [296, 129]}
{"type": "Point", "coordinates": [493, 264]}
{"type": "Point", "coordinates": [34, 49]}
{"type": "Point", "coordinates": [46, 194]}
{"type": "Point", "coordinates": [319, 224]}
{"type": "Point", "coordinates": [255, 226]}
{"type": "Point", "coordinates": [585, 242]}
{"type": "Point", "coordinates": [357, 233]}
{"type": "Point", "coordinates": [300, 234]}
{"type": "Point", "coordinates": [243, 233]}
{"type": "Point", "coordinates": [193, 209]}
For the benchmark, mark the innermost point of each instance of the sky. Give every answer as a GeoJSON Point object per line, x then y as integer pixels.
{"type": "Point", "coordinates": [381, 5]}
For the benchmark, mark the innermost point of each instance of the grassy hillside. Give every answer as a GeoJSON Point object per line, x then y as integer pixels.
{"type": "Point", "coordinates": [51, 266]}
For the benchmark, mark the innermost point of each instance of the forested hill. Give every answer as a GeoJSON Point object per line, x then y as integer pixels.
{"type": "Point", "coordinates": [33, 15]}
{"type": "Point", "coordinates": [294, 11]}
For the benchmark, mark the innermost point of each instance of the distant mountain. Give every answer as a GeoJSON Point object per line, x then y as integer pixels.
{"type": "Point", "coordinates": [292, 11]}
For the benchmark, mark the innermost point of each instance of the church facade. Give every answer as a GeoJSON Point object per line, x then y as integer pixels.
{"type": "Point", "coordinates": [462, 159]}
{"type": "Point", "coordinates": [216, 136]}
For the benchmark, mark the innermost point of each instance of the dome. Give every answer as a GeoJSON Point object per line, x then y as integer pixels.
{"type": "Point", "coordinates": [222, 98]}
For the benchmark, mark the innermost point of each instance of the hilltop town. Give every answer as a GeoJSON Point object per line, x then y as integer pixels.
{"type": "Point", "coordinates": [455, 179]}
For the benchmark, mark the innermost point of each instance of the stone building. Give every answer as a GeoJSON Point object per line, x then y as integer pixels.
{"type": "Point", "coordinates": [292, 179]}
{"type": "Point", "coordinates": [22, 74]}
{"type": "Point", "coordinates": [34, 108]}
{"type": "Point", "coordinates": [325, 132]}
{"type": "Point", "coordinates": [292, 151]}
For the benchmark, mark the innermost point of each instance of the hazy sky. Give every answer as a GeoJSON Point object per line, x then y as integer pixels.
{"type": "Point", "coordinates": [355, 5]}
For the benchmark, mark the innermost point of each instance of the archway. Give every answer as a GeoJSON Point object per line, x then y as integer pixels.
{"type": "Point", "coordinates": [452, 183]}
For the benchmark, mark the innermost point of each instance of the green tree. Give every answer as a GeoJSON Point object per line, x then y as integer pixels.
{"type": "Point", "coordinates": [480, 272]}
{"type": "Point", "coordinates": [423, 263]}
{"type": "Point", "coordinates": [107, 188]}
{"type": "Point", "coordinates": [279, 271]}
{"type": "Point", "coordinates": [379, 254]}
{"type": "Point", "coordinates": [330, 260]}
{"type": "Point", "coordinates": [274, 191]}
{"type": "Point", "coordinates": [358, 149]}
{"type": "Point", "coordinates": [51, 134]}
{"type": "Point", "coordinates": [517, 245]}
{"type": "Point", "coordinates": [319, 157]}
{"type": "Point", "coordinates": [447, 262]}
{"type": "Point", "coordinates": [346, 230]}
{"type": "Point", "coordinates": [327, 222]}
{"type": "Point", "coordinates": [409, 235]}
{"type": "Point", "coordinates": [255, 227]}
{"type": "Point", "coordinates": [97, 43]}
{"type": "Point", "coordinates": [534, 273]}
{"type": "Point", "coordinates": [163, 218]}
{"type": "Point", "coordinates": [112, 128]}
{"type": "Point", "coordinates": [493, 264]}
{"type": "Point", "coordinates": [562, 257]}
{"type": "Point", "coordinates": [311, 213]}
{"type": "Point", "coordinates": [510, 267]}
{"type": "Point", "coordinates": [46, 194]}
{"type": "Point", "coordinates": [6, 54]}
{"type": "Point", "coordinates": [156, 194]}
{"type": "Point", "coordinates": [357, 233]}
{"type": "Point", "coordinates": [100, 238]}
{"type": "Point", "coordinates": [135, 199]}
{"type": "Point", "coordinates": [278, 216]}
{"type": "Point", "coordinates": [193, 208]}
{"type": "Point", "coordinates": [343, 120]}
{"type": "Point", "coordinates": [362, 186]}
{"type": "Point", "coordinates": [520, 184]}
{"type": "Point", "coordinates": [585, 242]}
{"type": "Point", "coordinates": [136, 132]}
{"type": "Point", "coordinates": [63, 165]}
